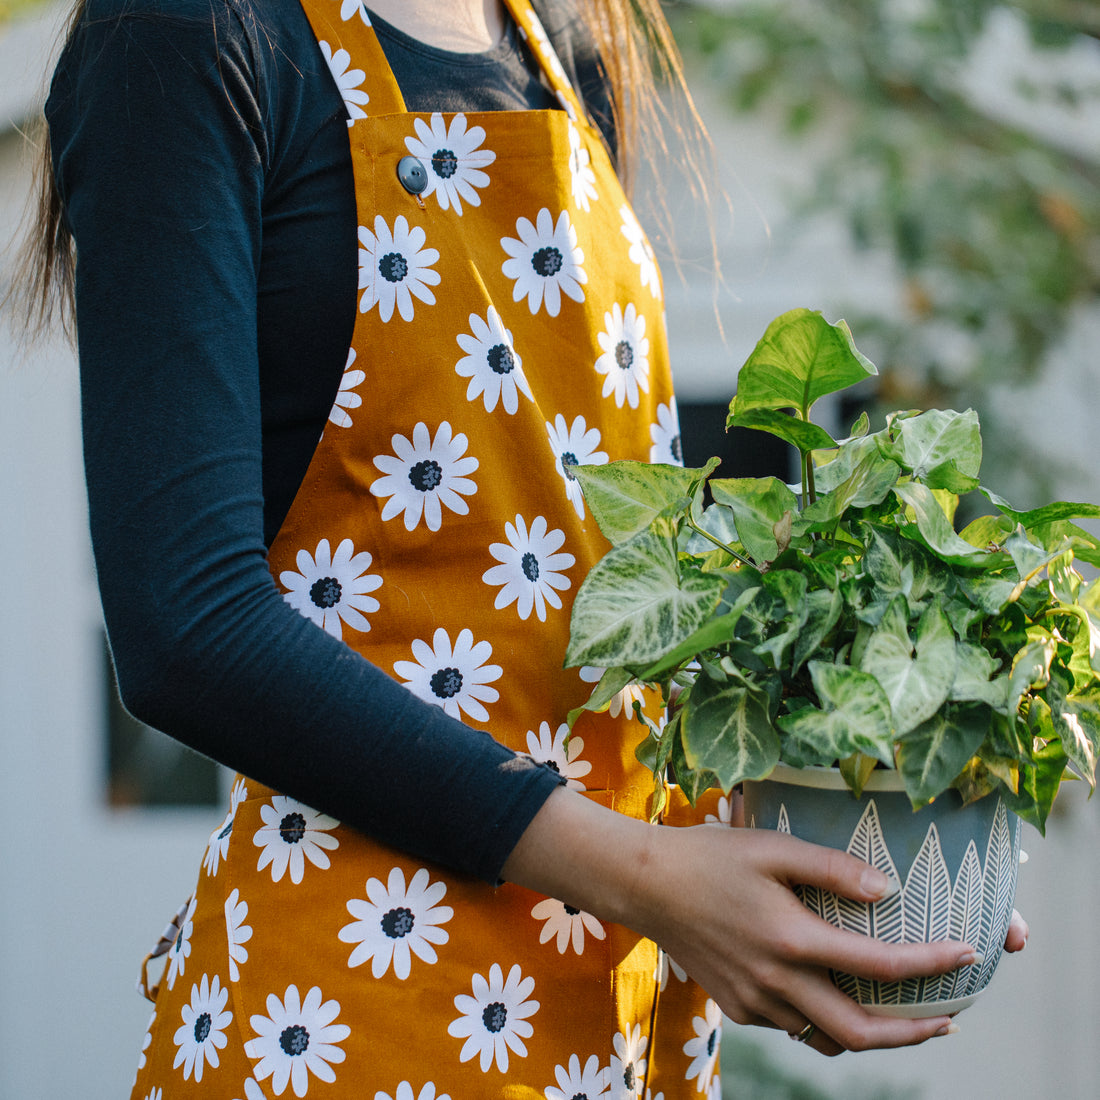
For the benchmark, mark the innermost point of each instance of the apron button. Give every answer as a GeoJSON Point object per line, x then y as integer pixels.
{"type": "Point", "coordinates": [412, 174]}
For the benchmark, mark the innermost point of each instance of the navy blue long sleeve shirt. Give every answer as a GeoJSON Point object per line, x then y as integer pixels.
{"type": "Point", "coordinates": [201, 152]}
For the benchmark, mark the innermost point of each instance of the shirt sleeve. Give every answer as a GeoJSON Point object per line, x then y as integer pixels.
{"type": "Point", "coordinates": [160, 148]}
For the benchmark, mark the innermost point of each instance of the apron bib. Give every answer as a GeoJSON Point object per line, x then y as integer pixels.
{"type": "Point", "coordinates": [510, 325]}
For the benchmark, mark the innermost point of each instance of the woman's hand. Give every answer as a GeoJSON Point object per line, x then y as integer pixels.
{"type": "Point", "coordinates": [722, 903]}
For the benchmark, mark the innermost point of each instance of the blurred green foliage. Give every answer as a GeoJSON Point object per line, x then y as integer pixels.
{"type": "Point", "coordinates": [993, 226]}
{"type": "Point", "coordinates": [10, 8]}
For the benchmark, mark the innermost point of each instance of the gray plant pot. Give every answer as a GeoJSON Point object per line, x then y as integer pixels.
{"type": "Point", "coordinates": [957, 865]}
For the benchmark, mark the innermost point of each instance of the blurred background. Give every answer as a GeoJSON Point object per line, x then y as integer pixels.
{"type": "Point", "coordinates": [928, 169]}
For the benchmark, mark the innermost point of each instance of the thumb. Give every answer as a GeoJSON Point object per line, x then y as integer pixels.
{"type": "Point", "coordinates": [809, 864]}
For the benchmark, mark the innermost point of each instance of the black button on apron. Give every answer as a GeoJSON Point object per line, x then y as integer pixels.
{"type": "Point", "coordinates": [412, 174]}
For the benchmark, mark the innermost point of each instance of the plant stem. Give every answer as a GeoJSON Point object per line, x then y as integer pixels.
{"type": "Point", "coordinates": [719, 543]}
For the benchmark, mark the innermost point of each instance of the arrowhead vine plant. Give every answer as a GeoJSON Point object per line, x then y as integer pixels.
{"type": "Point", "coordinates": [844, 621]}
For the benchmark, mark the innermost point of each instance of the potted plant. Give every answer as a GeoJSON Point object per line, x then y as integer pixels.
{"type": "Point", "coordinates": [842, 632]}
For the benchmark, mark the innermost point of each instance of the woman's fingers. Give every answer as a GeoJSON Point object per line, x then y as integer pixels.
{"type": "Point", "coordinates": [1018, 932]}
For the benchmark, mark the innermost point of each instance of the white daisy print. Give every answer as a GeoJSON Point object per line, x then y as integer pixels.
{"type": "Point", "coordinates": [297, 1038]}
{"type": "Point", "coordinates": [625, 359]}
{"type": "Point", "coordinates": [641, 252]}
{"type": "Point", "coordinates": [702, 1049]}
{"type": "Point", "coordinates": [395, 267]}
{"type": "Point", "coordinates": [628, 1064]}
{"type": "Point", "coordinates": [146, 1042]}
{"type": "Point", "coordinates": [156, 1094]}
{"type": "Point", "coordinates": [181, 945]}
{"type": "Point", "coordinates": [530, 573]}
{"type": "Point", "coordinates": [405, 1091]}
{"type": "Point", "coordinates": [237, 933]}
{"type": "Point", "coordinates": [494, 1020]}
{"type": "Point", "coordinates": [492, 364]}
{"type": "Point", "coordinates": [346, 398]}
{"type": "Point", "coordinates": [350, 8]}
{"type": "Point", "coordinates": [291, 834]}
{"type": "Point", "coordinates": [397, 922]}
{"type": "Point", "coordinates": [622, 702]}
{"type": "Point", "coordinates": [567, 923]}
{"type": "Point", "coordinates": [574, 445]}
{"type": "Point", "coordinates": [548, 747]}
{"type": "Point", "coordinates": [455, 157]}
{"type": "Point", "coordinates": [456, 677]}
{"type": "Point", "coordinates": [348, 80]}
{"type": "Point", "coordinates": [217, 848]}
{"type": "Point", "coordinates": [667, 965]}
{"type": "Point", "coordinates": [665, 434]}
{"type": "Point", "coordinates": [332, 588]}
{"type": "Point", "coordinates": [591, 1082]}
{"type": "Point", "coordinates": [252, 1091]}
{"type": "Point", "coordinates": [724, 816]}
{"type": "Point", "coordinates": [202, 1033]}
{"type": "Point", "coordinates": [545, 262]}
{"type": "Point", "coordinates": [580, 170]}
{"type": "Point", "coordinates": [425, 475]}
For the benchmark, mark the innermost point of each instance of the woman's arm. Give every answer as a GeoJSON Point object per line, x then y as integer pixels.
{"type": "Point", "coordinates": [167, 130]}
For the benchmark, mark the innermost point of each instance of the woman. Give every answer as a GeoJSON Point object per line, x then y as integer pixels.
{"type": "Point", "coordinates": [270, 243]}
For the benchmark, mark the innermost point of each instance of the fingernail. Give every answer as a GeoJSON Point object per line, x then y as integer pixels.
{"type": "Point", "coordinates": [947, 1029]}
{"type": "Point", "coordinates": [971, 958]}
{"type": "Point", "coordinates": [877, 885]}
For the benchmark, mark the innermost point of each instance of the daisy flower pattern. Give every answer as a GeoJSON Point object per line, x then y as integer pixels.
{"type": "Point", "coordinates": [530, 570]}
{"type": "Point", "coordinates": [405, 1092]}
{"type": "Point", "coordinates": [396, 922]}
{"type": "Point", "coordinates": [332, 589]}
{"type": "Point", "coordinates": [291, 834]}
{"type": "Point", "coordinates": [202, 1033]}
{"type": "Point", "coordinates": [395, 267]}
{"type": "Point", "coordinates": [666, 436]}
{"type": "Point", "coordinates": [425, 475]}
{"type": "Point", "coordinates": [548, 747]}
{"type": "Point", "coordinates": [641, 252]}
{"type": "Point", "coordinates": [455, 157]}
{"type": "Point", "coordinates": [252, 1091]}
{"type": "Point", "coordinates": [346, 398]}
{"type": "Point", "coordinates": [491, 363]}
{"type": "Point", "coordinates": [567, 923]}
{"type": "Point", "coordinates": [181, 945]}
{"type": "Point", "coordinates": [545, 262]}
{"type": "Point", "coordinates": [724, 816]}
{"type": "Point", "coordinates": [628, 1064]}
{"type": "Point", "coordinates": [574, 445]}
{"type": "Point", "coordinates": [156, 1094]}
{"type": "Point", "coordinates": [297, 1038]}
{"type": "Point", "coordinates": [591, 1082]}
{"type": "Point", "coordinates": [580, 171]}
{"type": "Point", "coordinates": [350, 8]}
{"type": "Point", "coordinates": [217, 847]}
{"type": "Point", "coordinates": [702, 1048]}
{"type": "Point", "coordinates": [625, 359]}
{"type": "Point", "coordinates": [542, 45]}
{"type": "Point", "coordinates": [348, 80]}
{"type": "Point", "coordinates": [667, 965]}
{"type": "Point", "coordinates": [494, 1020]}
{"type": "Point", "coordinates": [621, 703]}
{"type": "Point", "coordinates": [456, 677]}
{"type": "Point", "coordinates": [237, 933]}
{"type": "Point", "coordinates": [147, 1040]}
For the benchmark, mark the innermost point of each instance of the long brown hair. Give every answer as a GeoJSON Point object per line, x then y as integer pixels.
{"type": "Point", "coordinates": [638, 54]}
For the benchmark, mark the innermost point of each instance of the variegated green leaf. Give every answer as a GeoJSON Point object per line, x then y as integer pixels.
{"type": "Point", "coordinates": [635, 605]}
{"type": "Point", "coordinates": [976, 678]}
{"type": "Point", "coordinates": [758, 505]}
{"type": "Point", "coordinates": [937, 438]}
{"type": "Point", "coordinates": [933, 753]}
{"type": "Point", "coordinates": [726, 729]}
{"type": "Point", "coordinates": [916, 684]}
{"type": "Point", "coordinates": [626, 496]}
{"type": "Point", "coordinates": [855, 716]}
{"type": "Point", "coordinates": [936, 530]}
{"type": "Point", "coordinates": [800, 358]}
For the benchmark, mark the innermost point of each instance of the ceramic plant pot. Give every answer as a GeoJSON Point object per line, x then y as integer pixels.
{"type": "Point", "coordinates": [957, 866]}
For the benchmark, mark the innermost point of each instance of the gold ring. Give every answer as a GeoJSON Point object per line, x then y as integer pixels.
{"type": "Point", "coordinates": [805, 1035]}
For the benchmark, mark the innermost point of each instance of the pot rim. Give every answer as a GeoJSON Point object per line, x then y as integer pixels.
{"type": "Point", "coordinates": [830, 779]}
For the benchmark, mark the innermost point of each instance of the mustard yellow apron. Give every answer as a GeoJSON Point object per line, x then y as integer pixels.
{"type": "Point", "coordinates": [510, 325]}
